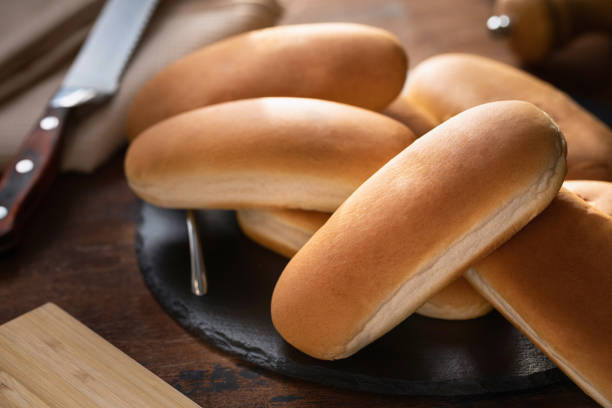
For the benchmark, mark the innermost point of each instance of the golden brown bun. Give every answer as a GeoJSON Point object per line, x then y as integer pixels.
{"type": "Point", "coordinates": [458, 300]}
{"type": "Point", "coordinates": [448, 84]}
{"type": "Point", "coordinates": [454, 195]}
{"type": "Point", "coordinates": [349, 63]}
{"type": "Point", "coordinates": [416, 118]}
{"type": "Point", "coordinates": [282, 231]}
{"type": "Point", "coordinates": [264, 152]}
{"type": "Point", "coordinates": [286, 231]}
{"type": "Point", "coordinates": [596, 193]}
{"type": "Point", "coordinates": [553, 281]}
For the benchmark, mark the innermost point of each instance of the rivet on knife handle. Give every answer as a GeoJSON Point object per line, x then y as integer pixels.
{"type": "Point", "coordinates": [30, 174]}
{"type": "Point", "coordinates": [93, 77]}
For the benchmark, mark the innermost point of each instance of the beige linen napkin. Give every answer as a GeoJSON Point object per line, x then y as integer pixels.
{"type": "Point", "coordinates": [38, 36]}
{"type": "Point", "coordinates": [178, 28]}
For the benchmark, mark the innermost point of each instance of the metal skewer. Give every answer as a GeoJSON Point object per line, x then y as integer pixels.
{"type": "Point", "coordinates": [199, 284]}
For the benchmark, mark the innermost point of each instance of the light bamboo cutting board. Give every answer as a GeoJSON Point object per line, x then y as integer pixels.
{"type": "Point", "coordinates": [49, 359]}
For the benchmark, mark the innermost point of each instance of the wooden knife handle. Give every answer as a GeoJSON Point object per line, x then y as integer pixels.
{"type": "Point", "coordinates": [30, 174]}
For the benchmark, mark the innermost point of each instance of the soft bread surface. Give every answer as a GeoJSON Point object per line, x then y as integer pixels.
{"type": "Point", "coordinates": [456, 301]}
{"type": "Point", "coordinates": [596, 193]}
{"type": "Point", "coordinates": [448, 84]}
{"type": "Point", "coordinates": [349, 63]}
{"type": "Point", "coordinates": [454, 195]}
{"type": "Point", "coordinates": [286, 231]}
{"type": "Point", "coordinates": [410, 114]}
{"type": "Point", "coordinates": [264, 152]}
{"type": "Point", "coordinates": [282, 231]}
{"type": "Point", "coordinates": [553, 280]}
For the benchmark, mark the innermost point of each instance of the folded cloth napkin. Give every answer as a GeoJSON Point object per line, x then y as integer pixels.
{"type": "Point", "coordinates": [37, 58]}
{"type": "Point", "coordinates": [38, 36]}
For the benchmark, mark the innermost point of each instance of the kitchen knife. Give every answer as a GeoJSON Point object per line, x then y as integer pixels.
{"type": "Point", "coordinates": [93, 77]}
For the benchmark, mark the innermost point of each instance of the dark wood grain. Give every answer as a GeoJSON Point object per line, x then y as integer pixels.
{"type": "Point", "coordinates": [21, 191]}
{"type": "Point", "coordinates": [80, 254]}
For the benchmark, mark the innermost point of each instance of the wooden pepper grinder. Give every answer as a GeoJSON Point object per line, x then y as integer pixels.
{"type": "Point", "coordinates": [535, 28]}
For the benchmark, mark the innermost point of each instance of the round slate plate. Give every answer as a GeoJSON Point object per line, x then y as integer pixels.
{"type": "Point", "coordinates": [422, 356]}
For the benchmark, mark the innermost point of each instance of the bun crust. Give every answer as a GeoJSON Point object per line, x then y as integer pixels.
{"type": "Point", "coordinates": [559, 297]}
{"type": "Point", "coordinates": [597, 193]}
{"type": "Point", "coordinates": [416, 224]}
{"type": "Point", "coordinates": [286, 231]}
{"type": "Point", "coordinates": [410, 114]}
{"type": "Point", "coordinates": [349, 63]}
{"type": "Point", "coordinates": [448, 84]}
{"type": "Point", "coordinates": [265, 152]}
{"type": "Point", "coordinates": [282, 231]}
{"type": "Point", "coordinates": [456, 301]}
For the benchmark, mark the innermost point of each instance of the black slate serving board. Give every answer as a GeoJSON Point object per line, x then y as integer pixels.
{"type": "Point", "coordinates": [422, 356]}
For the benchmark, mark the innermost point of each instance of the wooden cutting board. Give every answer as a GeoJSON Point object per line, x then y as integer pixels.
{"type": "Point", "coordinates": [49, 359]}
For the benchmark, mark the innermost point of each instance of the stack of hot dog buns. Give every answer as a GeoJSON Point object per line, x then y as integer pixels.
{"type": "Point", "coordinates": [387, 202]}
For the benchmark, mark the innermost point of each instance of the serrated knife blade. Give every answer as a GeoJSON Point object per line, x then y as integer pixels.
{"type": "Point", "coordinates": [93, 76]}
{"type": "Point", "coordinates": [109, 45]}
{"type": "Point", "coordinates": [97, 68]}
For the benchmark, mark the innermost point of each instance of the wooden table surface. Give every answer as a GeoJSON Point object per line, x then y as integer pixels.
{"type": "Point", "coordinates": [80, 250]}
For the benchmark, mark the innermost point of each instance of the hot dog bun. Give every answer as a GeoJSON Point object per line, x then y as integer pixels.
{"type": "Point", "coordinates": [349, 63]}
{"type": "Point", "coordinates": [265, 152]}
{"type": "Point", "coordinates": [410, 114]}
{"type": "Point", "coordinates": [456, 301]}
{"type": "Point", "coordinates": [448, 84]}
{"type": "Point", "coordinates": [448, 199]}
{"type": "Point", "coordinates": [282, 231]}
{"type": "Point", "coordinates": [596, 193]}
{"type": "Point", "coordinates": [553, 281]}
{"type": "Point", "coordinates": [286, 231]}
